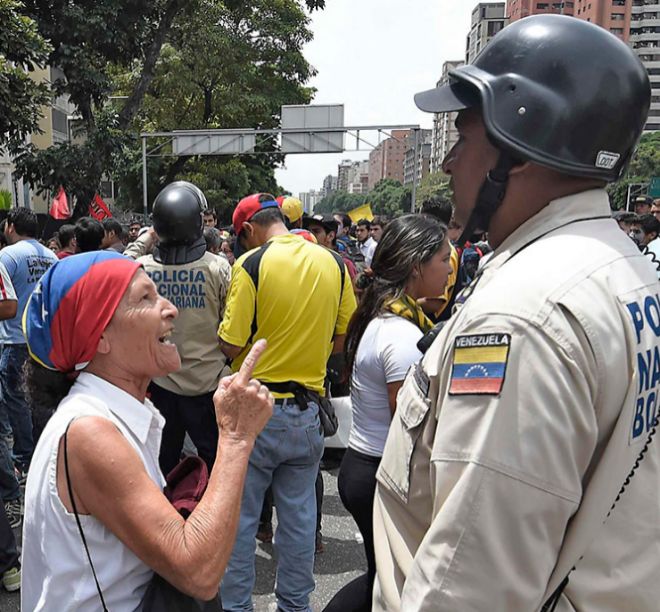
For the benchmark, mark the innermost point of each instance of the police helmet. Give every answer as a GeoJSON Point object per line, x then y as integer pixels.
{"type": "Point", "coordinates": [555, 90]}
{"type": "Point", "coordinates": [177, 213]}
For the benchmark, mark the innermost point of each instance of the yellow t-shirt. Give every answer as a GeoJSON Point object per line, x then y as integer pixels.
{"type": "Point", "coordinates": [298, 309]}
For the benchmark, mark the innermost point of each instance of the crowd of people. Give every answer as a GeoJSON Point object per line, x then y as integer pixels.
{"type": "Point", "coordinates": [502, 389]}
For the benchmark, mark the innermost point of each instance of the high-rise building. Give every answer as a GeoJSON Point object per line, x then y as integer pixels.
{"type": "Point", "coordinates": [386, 160]}
{"type": "Point", "coordinates": [517, 9]}
{"type": "Point", "coordinates": [310, 199]}
{"type": "Point", "coordinates": [417, 160]}
{"type": "Point", "coordinates": [358, 177]}
{"type": "Point", "coordinates": [329, 184]}
{"type": "Point", "coordinates": [644, 38]}
{"type": "Point", "coordinates": [487, 20]}
{"type": "Point", "coordinates": [343, 174]}
{"type": "Point", "coordinates": [637, 22]}
{"type": "Point", "coordinates": [445, 134]}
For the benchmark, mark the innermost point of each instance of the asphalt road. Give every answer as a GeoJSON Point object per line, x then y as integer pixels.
{"type": "Point", "coordinates": [342, 560]}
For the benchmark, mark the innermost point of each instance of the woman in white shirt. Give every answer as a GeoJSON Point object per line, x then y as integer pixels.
{"type": "Point", "coordinates": [97, 318]}
{"type": "Point", "coordinates": [411, 261]}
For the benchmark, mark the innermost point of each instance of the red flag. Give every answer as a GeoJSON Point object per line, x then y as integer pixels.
{"type": "Point", "coordinates": [98, 209]}
{"type": "Point", "coordinates": [59, 209]}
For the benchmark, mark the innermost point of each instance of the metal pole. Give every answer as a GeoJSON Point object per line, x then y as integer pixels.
{"type": "Point", "coordinates": [144, 178]}
{"type": "Point", "coordinates": [414, 185]}
{"type": "Point", "coordinates": [628, 197]}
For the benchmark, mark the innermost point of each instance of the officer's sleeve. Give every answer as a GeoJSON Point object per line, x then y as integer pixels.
{"type": "Point", "coordinates": [236, 326]}
{"type": "Point", "coordinates": [347, 305]}
{"type": "Point", "coordinates": [139, 247]}
{"type": "Point", "coordinates": [506, 467]}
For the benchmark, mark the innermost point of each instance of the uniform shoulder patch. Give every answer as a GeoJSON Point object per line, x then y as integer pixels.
{"type": "Point", "coordinates": [479, 364]}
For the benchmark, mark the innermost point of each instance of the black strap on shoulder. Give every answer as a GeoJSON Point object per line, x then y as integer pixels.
{"type": "Point", "coordinates": [75, 512]}
{"type": "Point", "coordinates": [251, 265]}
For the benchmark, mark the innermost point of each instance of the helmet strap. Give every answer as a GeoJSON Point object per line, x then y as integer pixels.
{"type": "Point", "coordinates": [180, 254]}
{"type": "Point", "coordinates": [491, 195]}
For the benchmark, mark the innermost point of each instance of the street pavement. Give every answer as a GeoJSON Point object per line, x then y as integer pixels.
{"type": "Point", "coordinates": [342, 560]}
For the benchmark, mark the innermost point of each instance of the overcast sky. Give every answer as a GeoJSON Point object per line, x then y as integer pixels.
{"type": "Point", "coordinates": [373, 56]}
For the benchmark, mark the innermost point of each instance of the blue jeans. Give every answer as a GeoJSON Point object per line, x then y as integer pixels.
{"type": "Point", "coordinates": [286, 456]}
{"type": "Point", "coordinates": [9, 489]}
{"type": "Point", "coordinates": [13, 404]}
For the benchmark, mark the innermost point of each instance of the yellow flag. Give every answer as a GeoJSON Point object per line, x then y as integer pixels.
{"type": "Point", "coordinates": [361, 212]}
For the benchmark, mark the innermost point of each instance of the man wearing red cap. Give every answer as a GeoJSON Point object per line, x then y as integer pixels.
{"type": "Point", "coordinates": [298, 297]}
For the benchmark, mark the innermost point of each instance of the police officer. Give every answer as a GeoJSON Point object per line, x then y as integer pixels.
{"type": "Point", "coordinates": [513, 436]}
{"type": "Point", "coordinates": [196, 282]}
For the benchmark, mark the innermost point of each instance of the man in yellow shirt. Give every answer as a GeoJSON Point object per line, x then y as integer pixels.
{"type": "Point", "coordinates": [298, 296]}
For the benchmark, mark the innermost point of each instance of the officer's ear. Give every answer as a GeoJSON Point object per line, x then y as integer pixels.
{"type": "Point", "coordinates": [520, 167]}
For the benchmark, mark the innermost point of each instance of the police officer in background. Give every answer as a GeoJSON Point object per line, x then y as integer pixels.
{"type": "Point", "coordinates": [515, 433]}
{"type": "Point", "coordinates": [196, 282]}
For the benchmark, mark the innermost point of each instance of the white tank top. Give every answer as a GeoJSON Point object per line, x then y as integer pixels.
{"type": "Point", "coordinates": [56, 574]}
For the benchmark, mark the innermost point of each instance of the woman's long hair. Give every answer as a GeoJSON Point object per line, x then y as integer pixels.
{"type": "Point", "coordinates": [45, 389]}
{"type": "Point", "coordinates": [407, 243]}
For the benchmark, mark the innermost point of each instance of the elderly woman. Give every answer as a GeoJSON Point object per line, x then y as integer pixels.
{"type": "Point", "coordinates": [99, 316]}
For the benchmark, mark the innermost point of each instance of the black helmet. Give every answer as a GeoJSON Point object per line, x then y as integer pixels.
{"type": "Point", "coordinates": [177, 214]}
{"type": "Point", "coordinates": [556, 90]}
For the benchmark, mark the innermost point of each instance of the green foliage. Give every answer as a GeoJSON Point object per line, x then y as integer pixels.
{"type": "Point", "coordinates": [389, 197]}
{"type": "Point", "coordinates": [22, 49]}
{"type": "Point", "coordinates": [5, 199]}
{"type": "Point", "coordinates": [645, 164]}
{"type": "Point", "coordinates": [340, 201]}
{"type": "Point", "coordinates": [431, 186]}
{"type": "Point", "coordinates": [174, 64]}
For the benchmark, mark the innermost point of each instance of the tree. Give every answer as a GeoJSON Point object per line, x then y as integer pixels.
{"type": "Point", "coordinates": [431, 186]}
{"type": "Point", "coordinates": [340, 201]}
{"type": "Point", "coordinates": [226, 67]}
{"type": "Point", "coordinates": [644, 165]}
{"type": "Point", "coordinates": [22, 49]}
{"type": "Point", "coordinates": [390, 198]}
{"type": "Point", "coordinates": [93, 42]}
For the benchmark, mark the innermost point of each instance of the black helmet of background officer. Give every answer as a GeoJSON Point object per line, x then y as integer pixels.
{"type": "Point", "coordinates": [553, 106]}
{"type": "Point", "coordinates": [179, 222]}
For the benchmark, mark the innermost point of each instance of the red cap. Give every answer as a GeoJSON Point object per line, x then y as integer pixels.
{"type": "Point", "coordinates": [250, 206]}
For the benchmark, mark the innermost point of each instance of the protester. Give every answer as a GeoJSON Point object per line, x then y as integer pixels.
{"type": "Point", "coordinates": [325, 228]}
{"type": "Point", "coordinates": [366, 243]}
{"type": "Point", "coordinates": [411, 261]}
{"type": "Point", "coordinates": [655, 209]}
{"type": "Point", "coordinates": [292, 209]}
{"type": "Point", "coordinates": [100, 315]}
{"type": "Point", "coordinates": [54, 244]}
{"type": "Point", "coordinates": [378, 224]}
{"type": "Point", "coordinates": [89, 234]}
{"type": "Point", "coordinates": [210, 218]}
{"type": "Point", "coordinates": [290, 292]}
{"type": "Point", "coordinates": [626, 220]}
{"type": "Point", "coordinates": [113, 236]}
{"type": "Point", "coordinates": [213, 240]}
{"type": "Point", "coordinates": [227, 249]}
{"type": "Point", "coordinates": [440, 308]}
{"type": "Point", "coordinates": [642, 205]}
{"type": "Point", "coordinates": [514, 435]}
{"type": "Point", "coordinates": [25, 261]}
{"type": "Point", "coordinates": [196, 282]}
{"type": "Point", "coordinates": [10, 492]}
{"type": "Point", "coordinates": [67, 238]}
{"type": "Point", "coordinates": [650, 227]}
{"type": "Point", "coordinates": [133, 230]}
{"type": "Point", "coordinates": [10, 565]}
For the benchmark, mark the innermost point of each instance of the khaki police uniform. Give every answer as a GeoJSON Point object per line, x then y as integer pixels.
{"type": "Point", "coordinates": [513, 437]}
{"type": "Point", "coordinates": [198, 289]}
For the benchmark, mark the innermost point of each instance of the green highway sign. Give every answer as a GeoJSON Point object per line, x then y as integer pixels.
{"type": "Point", "coordinates": [654, 187]}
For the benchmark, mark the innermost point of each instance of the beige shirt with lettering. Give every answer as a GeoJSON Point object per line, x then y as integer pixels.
{"type": "Point", "coordinates": [199, 290]}
{"type": "Point", "coordinates": [512, 439]}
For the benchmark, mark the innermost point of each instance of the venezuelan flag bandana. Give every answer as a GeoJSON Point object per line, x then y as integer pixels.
{"type": "Point", "coordinates": [72, 305]}
{"type": "Point", "coordinates": [408, 308]}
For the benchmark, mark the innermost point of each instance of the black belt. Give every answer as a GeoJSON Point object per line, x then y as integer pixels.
{"type": "Point", "coordinates": [301, 394]}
